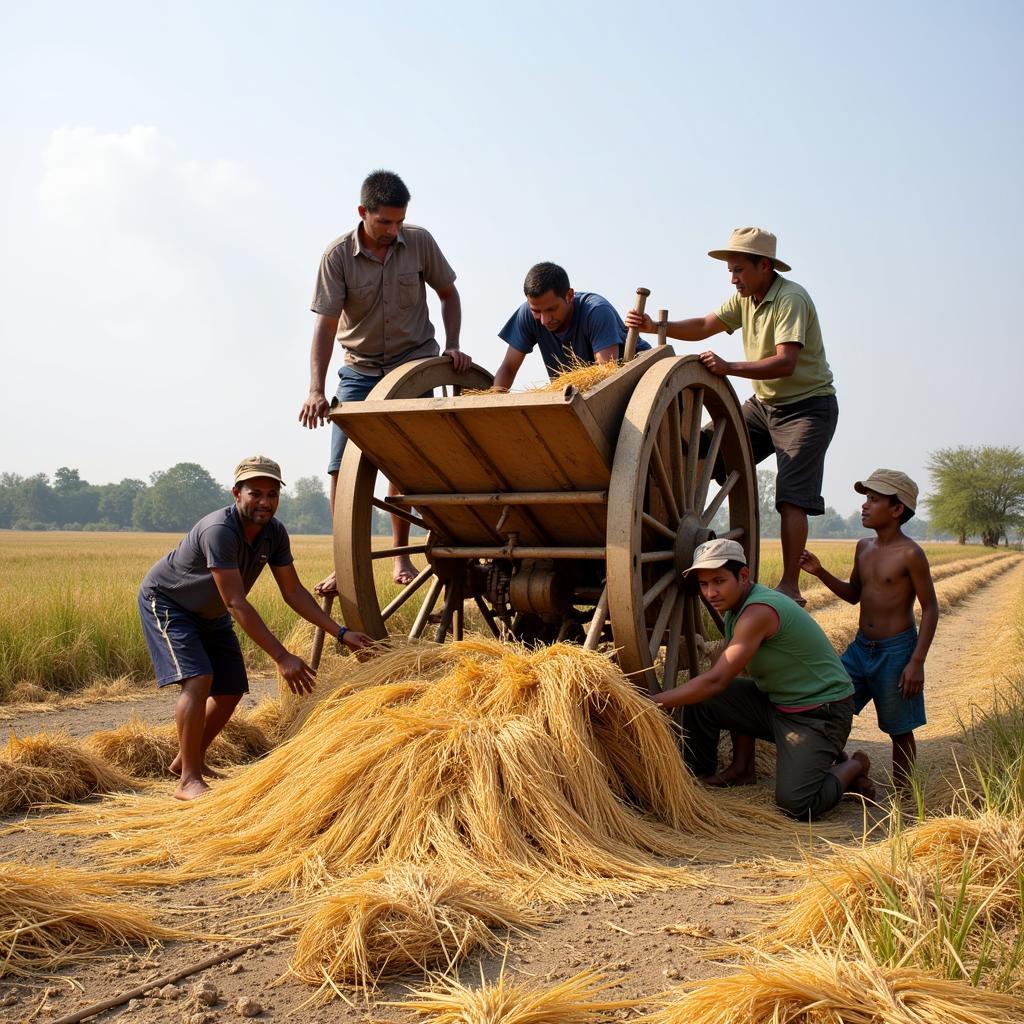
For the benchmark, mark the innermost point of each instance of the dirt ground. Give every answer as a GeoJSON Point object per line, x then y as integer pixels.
{"type": "Point", "coordinates": [642, 944]}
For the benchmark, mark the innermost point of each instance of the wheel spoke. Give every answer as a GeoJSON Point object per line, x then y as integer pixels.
{"type": "Point", "coordinates": [692, 657]}
{"type": "Point", "coordinates": [596, 626]}
{"type": "Point", "coordinates": [658, 526]}
{"type": "Point", "coordinates": [488, 616]}
{"type": "Point", "coordinates": [451, 601]}
{"type": "Point", "coordinates": [730, 482]}
{"type": "Point", "coordinates": [402, 513]}
{"type": "Point", "coordinates": [658, 587]}
{"type": "Point", "coordinates": [405, 549]}
{"type": "Point", "coordinates": [426, 608]}
{"type": "Point", "coordinates": [716, 618]}
{"type": "Point", "coordinates": [672, 646]}
{"type": "Point", "coordinates": [675, 440]}
{"type": "Point", "coordinates": [736, 533]}
{"type": "Point", "coordinates": [709, 465]}
{"type": "Point", "coordinates": [657, 556]}
{"type": "Point", "coordinates": [406, 593]}
{"type": "Point", "coordinates": [693, 445]}
{"type": "Point", "coordinates": [661, 622]}
{"type": "Point", "coordinates": [664, 484]}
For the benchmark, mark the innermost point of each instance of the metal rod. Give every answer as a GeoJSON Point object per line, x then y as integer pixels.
{"type": "Point", "coordinates": [629, 350]}
{"type": "Point", "coordinates": [596, 626]}
{"type": "Point", "coordinates": [502, 498]}
{"type": "Point", "coordinates": [517, 552]}
{"type": "Point", "coordinates": [410, 588]}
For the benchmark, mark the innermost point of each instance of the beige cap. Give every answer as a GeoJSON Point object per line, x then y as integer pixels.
{"type": "Point", "coordinates": [713, 554]}
{"type": "Point", "coordinates": [257, 465]}
{"type": "Point", "coordinates": [890, 481]}
{"type": "Point", "coordinates": [751, 242]}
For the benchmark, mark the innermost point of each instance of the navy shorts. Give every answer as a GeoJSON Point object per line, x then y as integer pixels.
{"type": "Point", "coordinates": [183, 645]}
{"type": "Point", "coordinates": [875, 666]}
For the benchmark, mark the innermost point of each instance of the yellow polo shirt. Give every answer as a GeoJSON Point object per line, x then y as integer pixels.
{"type": "Point", "coordinates": [785, 315]}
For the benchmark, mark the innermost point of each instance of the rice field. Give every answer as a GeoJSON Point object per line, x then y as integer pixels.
{"type": "Point", "coordinates": [68, 614]}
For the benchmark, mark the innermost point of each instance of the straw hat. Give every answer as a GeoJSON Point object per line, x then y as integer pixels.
{"type": "Point", "coordinates": [751, 242]}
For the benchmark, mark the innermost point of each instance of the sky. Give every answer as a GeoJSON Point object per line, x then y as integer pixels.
{"type": "Point", "coordinates": [170, 175]}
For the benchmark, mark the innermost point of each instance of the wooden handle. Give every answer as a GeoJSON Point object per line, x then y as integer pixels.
{"type": "Point", "coordinates": [318, 636]}
{"type": "Point", "coordinates": [662, 327]}
{"type": "Point", "coordinates": [632, 334]}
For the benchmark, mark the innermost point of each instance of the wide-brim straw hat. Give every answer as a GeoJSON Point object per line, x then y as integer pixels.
{"type": "Point", "coordinates": [751, 242]}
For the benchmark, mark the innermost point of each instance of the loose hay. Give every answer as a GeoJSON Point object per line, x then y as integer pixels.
{"type": "Point", "coordinates": [408, 920]}
{"type": "Point", "coordinates": [51, 767]}
{"type": "Point", "coordinates": [52, 916]}
{"type": "Point", "coordinates": [817, 987]}
{"type": "Point", "coordinates": [577, 1000]}
{"type": "Point", "coordinates": [581, 376]}
{"type": "Point", "coordinates": [544, 775]}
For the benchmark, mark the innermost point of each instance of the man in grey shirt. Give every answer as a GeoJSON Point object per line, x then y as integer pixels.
{"type": "Point", "coordinates": [370, 297]}
{"type": "Point", "coordinates": [187, 602]}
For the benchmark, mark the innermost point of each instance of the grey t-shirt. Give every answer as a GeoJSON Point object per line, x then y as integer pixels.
{"type": "Point", "coordinates": [217, 541]}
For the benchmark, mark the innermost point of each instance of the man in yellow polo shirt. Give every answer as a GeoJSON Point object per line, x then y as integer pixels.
{"type": "Point", "coordinates": [793, 411]}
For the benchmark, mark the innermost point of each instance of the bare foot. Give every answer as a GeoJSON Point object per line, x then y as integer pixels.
{"type": "Point", "coordinates": [191, 790]}
{"type": "Point", "coordinates": [405, 571]}
{"type": "Point", "coordinates": [327, 586]}
{"type": "Point", "coordinates": [175, 769]}
{"type": "Point", "coordinates": [792, 593]}
{"type": "Point", "coordinates": [725, 780]}
{"type": "Point", "coordinates": [862, 784]}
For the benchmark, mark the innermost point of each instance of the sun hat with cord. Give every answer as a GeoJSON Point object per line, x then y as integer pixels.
{"type": "Point", "coordinates": [713, 554]}
{"type": "Point", "coordinates": [751, 242]}
{"type": "Point", "coordinates": [257, 465]}
{"type": "Point", "coordinates": [891, 483]}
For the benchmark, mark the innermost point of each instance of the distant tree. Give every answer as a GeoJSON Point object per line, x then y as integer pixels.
{"type": "Point", "coordinates": [177, 498]}
{"type": "Point", "coordinates": [979, 491]}
{"type": "Point", "coordinates": [830, 524]}
{"type": "Point", "coordinates": [76, 500]}
{"type": "Point", "coordinates": [771, 523]}
{"type": "Point", "coordinates": [9, 484]}
{"type": "Point", "coordinates": [34, 501]}
{"type": "Point", "coordinates": [117, 501]}
{"type": "Point", "coordinates": [307, 508]}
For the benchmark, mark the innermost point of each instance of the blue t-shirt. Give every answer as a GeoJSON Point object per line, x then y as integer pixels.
{"type": "Point", "coordinates": [595, 326]}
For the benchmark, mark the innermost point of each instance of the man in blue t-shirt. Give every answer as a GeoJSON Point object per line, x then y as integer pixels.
{"type": "Point", "coordinates": [570, 327]}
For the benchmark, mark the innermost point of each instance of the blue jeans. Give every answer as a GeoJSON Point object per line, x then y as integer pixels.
{"type": "Point", "coordinates": [875, 666]}
{"type": "Point", "coordinates": [352, 387]}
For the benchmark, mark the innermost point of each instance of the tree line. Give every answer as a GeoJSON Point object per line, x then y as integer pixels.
{"type": "Point", "coordinates": [979, 494]}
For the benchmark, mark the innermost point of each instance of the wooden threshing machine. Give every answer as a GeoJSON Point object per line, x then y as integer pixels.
{"type": "Point", "coordinates": [559, 515]}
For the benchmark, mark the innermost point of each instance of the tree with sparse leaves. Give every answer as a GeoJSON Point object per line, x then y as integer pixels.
{"type": "Point", "coordinates": [979, 491]}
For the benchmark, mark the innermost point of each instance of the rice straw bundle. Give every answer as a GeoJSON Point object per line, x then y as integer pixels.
{"type": "Point", "coordinates": [546, 775]}
{"type": "Point", "coordinates": [49, 767]}
{"type": "Point", "coordinates": [136, 747]}
{"type": "Point", "coordinates": [385, 925]}
{"type": "Point", "coordinates": [580, 375]}
{"type": "Point", "coordinates": [819, 987]}
{"type": "Point", "coordinates": [268, 717]}
{"type": "Point", "coordinates": [32, 693]}
{"type": "Point", "coordinates": [577, 1000]}
{"type": "Point", "coordinates": [52, 916]}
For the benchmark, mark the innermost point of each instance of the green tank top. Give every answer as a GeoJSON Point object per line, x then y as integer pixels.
{"type": "Point", "coordinates": [798, 665]}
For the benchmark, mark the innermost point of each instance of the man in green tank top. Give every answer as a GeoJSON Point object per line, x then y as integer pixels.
{"type": "Point", "coordinates": [796, 695]}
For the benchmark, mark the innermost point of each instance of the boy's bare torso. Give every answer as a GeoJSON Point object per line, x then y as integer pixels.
{"type": "Point", "coordinates": [887, 591]}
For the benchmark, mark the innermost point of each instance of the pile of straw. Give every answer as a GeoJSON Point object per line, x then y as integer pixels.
{"type": "Point", "coordinates": [818, 987]}
{"type": "Point", "coordinates": [578, 1000]}
{"type": "Point", "coordinates": [581, 376]}
{"type": "Point", "coordinates": [385, 925]}
{"type": "Point", "coordinates": [51, 767]}
{"type": "Point", "coordinates": [51, 917]}
{"type": "Point", "coordinates": [544, 775]}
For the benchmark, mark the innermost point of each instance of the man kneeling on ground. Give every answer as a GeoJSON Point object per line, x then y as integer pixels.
{"type": "Point", "coordinates": [799, 696]}
{"type": "Point", "coordinates": [187, 602]}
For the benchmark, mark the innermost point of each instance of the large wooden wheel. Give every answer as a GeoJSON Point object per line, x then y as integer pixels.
{"type": "Point", "coordinates": [367, 604]}
{"type": "Point", "coordinates": [662, 502]}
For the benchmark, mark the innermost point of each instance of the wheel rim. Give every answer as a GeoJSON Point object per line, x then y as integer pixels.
{"type": "Point", "coordinates": [368, 603]}
{"type": "Point", "coordinates": [662, 502]}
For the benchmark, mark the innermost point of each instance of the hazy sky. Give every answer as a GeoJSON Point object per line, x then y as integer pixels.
{"type": "Point", "coordinates": [170, 174]}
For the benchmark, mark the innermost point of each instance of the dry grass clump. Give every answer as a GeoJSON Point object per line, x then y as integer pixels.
{"type": "Point", "coordinates": [52, 916]}
{"type": "Point", "coordinates": [51, 767]}
{"type": "Point", "coordinates": [819, 987]}
{"type": "Point", "coordinates": [581, 376]}
{"type": "Point", "coordinates": [32, 693]}
{"type": "Point", "coordinates": [267, 716]}
{"type": "Point", "coordinates": [136, 747]}
{"type": "Point", "coordinates": [386, 925]}
{"type": "Point", "coordinates": [577, 1000]}
{"type": "Point", "coordinates": [544, 775]}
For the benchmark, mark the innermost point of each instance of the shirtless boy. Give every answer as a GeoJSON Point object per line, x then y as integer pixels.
{"type": "Point", "coordinates": [886, 658]}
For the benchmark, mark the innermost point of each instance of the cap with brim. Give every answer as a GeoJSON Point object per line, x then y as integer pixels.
{"type": "Point", "coordinates": [892, 483]}
{"type": "Point", "coordinates": [713, 554]}
{"type": "Point", "coordinates": [257, 465]}
{"type": "Point", "coordinates": [751, 242]}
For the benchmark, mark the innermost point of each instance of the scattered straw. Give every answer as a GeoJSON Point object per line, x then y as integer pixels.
{"type": "Point", "coordinates": [581, 376]}
{"type": "Point", "coordinates": [387, 925]}
{"type": "Point", "coordinates": [577, 1000]}
{"type": "Point", "coordinates": [819, 987]}
{"type": "Point", "coordinates": [52, 916]}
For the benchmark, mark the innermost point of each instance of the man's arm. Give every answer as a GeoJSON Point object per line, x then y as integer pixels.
{"type": "Point", "coordinates": [299, 599]}
{"type": "Point", "coordinates": [782, 364]}
{"type": "Point", "coordinates": [296, 673]}
{"type": "Point", "coordinates": [695, 329]}
{"type": "Point", "coordinates": [754, 626]}
{"type": "Point", "coordinates": [506, 375]}
{"type": "Point", "coordinates": [845, 591]}
{"type": "Point", "coordinates": [314, 410]}
{"type": "Point", "coordinates": [912, 678]}
{"type": "Point", "coordinates": [451, 317]}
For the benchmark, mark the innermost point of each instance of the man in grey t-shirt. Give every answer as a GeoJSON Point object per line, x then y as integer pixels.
{"type": "Point", "coordinates": [187, 602]}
